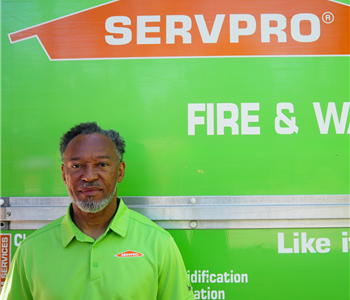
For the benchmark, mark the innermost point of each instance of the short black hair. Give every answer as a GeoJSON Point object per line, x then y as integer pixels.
{"type": "Point", "coordinates": [89, 128]}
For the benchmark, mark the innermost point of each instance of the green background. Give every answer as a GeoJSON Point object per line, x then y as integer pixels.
{"type": "Point", "coordinates": [146, 100]}
{"type": "Point", "coordinates": [303, 276]}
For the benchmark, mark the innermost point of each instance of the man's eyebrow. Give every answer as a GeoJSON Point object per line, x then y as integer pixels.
{"type": "Point", "coordinates": [100, 156]}
{"type": "Point", "coordinates": [74, 158]}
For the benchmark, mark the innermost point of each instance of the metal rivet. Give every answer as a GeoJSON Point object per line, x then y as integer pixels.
{"type": "Point", "coordinates": [2, 202]}
{"type": "Point", "coordinates": [8, 213]}
{"type": "Point", "coordinates": [193, 200]}
{"type": "Point", "coordinates": [193, 224]}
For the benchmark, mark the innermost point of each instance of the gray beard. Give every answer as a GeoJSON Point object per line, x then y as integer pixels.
{"type": "Point", "coordinates": [91, 206]}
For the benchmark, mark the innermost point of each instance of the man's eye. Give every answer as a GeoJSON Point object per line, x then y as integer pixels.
{"type": "Point", "coordinates": [76, 166]}
{"type": "Point", "coordinates": [103, 164]}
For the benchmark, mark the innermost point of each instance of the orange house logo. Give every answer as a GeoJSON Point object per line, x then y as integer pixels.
{"type": "Point", "coordinates": [129, 253]}
{"type": "Point", "coordinates": [129, 29]}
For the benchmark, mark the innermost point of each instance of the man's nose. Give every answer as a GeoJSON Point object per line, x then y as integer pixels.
{"type": "Point", "coordinates": [89, 174]}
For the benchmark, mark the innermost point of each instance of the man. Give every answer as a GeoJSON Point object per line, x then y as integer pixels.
{"type": "Point", "coordinates": [100, 249]}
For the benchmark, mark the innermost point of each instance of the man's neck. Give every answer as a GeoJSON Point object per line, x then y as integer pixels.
{"type": "Point", "coordinates": [94, 224]}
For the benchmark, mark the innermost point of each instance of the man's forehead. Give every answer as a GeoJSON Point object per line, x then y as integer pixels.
{"type": "Point", "coordinates": [93, 144]}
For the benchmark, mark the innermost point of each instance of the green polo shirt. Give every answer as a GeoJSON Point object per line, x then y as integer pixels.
{"type": "Point", "coordinates": [133, 259]}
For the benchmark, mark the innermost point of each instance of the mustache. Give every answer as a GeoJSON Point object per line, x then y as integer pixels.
{"type": "Point", "coordinates": [87, 184]}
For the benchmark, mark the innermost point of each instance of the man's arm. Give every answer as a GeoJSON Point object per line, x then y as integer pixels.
{"type": "Point", "coordinates": [16, 285]}
{"type": "Point", "coordinates": [173, 282]}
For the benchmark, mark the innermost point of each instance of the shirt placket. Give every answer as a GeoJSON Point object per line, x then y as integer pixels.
{"type": "Point", "coordinates": [95, 261]}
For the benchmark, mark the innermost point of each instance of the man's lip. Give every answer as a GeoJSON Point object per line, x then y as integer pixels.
{"type": "Point", "coordinates": [89, 191]}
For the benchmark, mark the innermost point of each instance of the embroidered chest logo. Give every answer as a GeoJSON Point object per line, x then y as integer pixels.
{"type": "Point", "coordinates": [129, 253]}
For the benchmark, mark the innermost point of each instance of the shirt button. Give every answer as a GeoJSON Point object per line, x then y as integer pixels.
{"type": "Point", "coordinates": [95, 264]}
{"type": "Point", "coordinates": [95, 246]}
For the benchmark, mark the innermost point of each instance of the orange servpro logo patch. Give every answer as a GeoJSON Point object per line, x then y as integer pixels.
{"type": "Point", "coordinates": [129, 253]}
{"type": "Point", "coordinates": [195, 28]}
{"type": "Point", "coordinates": [5, 256]}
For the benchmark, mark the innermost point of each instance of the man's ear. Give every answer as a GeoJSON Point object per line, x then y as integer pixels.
{"type": "Point", "coordinates": [121, 171]}
{"type": "Point", "coordinates": [63, 174]}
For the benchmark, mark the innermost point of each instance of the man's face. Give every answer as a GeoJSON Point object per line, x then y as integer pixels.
{"type": "Point", "coordinates": [91, 169]}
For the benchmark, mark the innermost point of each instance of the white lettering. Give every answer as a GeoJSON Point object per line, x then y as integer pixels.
{"type": "Point", "coordinates": [291, 123]}
{"type": "Point", "coordinates": [266, 30]}
{"type": "Point", "coordinates": [345, 242]}
{"type": "Point", "coordinates": [142, 30]}
{"type": "Point", "coordinates": [236, 31]}
{"type": "Point", "coordinates": [172, 31]}
{"type": "Point", "coordinates": [281, 248]}
{"type": "Point", "coordinates": [208, 294]}
{"type": "Point", "coordinates": [126, 32]}
{"type": "Point", "coordinates": [226, 116]}
{"type": "Point", "coordinates": [237, 278]}
{"type": "Point", "coordinates": [194, 277]}
{"type": "Point", "coordinates": [203, 296]}
{"type": "Point", "coordinates": [246, 118]}
{"type": "Point", "coordinates": [215, 31]}
{"type": "Point", "coordinates": [323, 124]}
{"type": "Point", "coordinates": [315, 28]}
{"type": "Point", "coordinates": [223, 122]}
{"type": "Point", "coordinates": [296, 242]}
{"type": "Point", "coordinates": [323, 242]}
{"type": "Point", "coordinates": [210, 118]}
{"type": "Point", "coordinates": [306, 244]}
{"type": "Point", "coordinates": [19, 238]}
{"type": "Point", "coordinates": [239, 24]}
{"type": "Point", "coordinates": [192, 119]}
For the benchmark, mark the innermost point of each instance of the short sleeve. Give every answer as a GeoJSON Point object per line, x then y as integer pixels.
{"type": "Point", "coordinates": [16, 285]}
{"type": "Point", "coordinates": [173, 282]}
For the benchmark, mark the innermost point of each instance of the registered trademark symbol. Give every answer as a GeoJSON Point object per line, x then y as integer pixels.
{"type": "Point", "coordinates": [328, 17]}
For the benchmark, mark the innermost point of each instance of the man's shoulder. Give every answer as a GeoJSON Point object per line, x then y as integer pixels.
{"type": "Point", "coordinates": [42, 233]}
{"type": "Point", "coordinates": [146, 224]}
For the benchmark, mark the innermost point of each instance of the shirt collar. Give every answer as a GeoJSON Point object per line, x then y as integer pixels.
{"type": "Point", "coordinates": [120, 221]}
{"type": "Point", "coordinates": [119, 225]}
